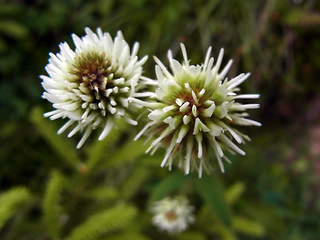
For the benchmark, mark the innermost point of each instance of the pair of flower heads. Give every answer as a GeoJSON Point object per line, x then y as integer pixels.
{"type": "Point", "coordinates": [193, 109]}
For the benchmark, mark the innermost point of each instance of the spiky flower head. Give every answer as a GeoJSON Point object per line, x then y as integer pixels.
{"type": "Point", "coordinates": [90, 86]}
{"type": "Point", "coordinates": [172, 214]}
{"type": "Point", "coordinates": [195, 111]}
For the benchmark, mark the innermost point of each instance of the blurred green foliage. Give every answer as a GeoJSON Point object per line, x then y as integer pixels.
{"type": "Point", "coordinates": [50, 190]}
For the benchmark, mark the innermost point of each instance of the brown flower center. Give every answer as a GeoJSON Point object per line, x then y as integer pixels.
{"type": "Point", "coordinates": [93, 70]}
{"type": "Point", "coordinates": [171, 216]}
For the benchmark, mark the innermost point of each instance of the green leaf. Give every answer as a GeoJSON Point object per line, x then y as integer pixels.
{"type": "Point", "coordinates": [302, 18]}
{"type": "Point", "coordinates": [211, 190]}
{"type": "Point", "coordinates": [234, 192]}
{"type": "Point", "coordinates": [124, 236]}
{"type": "Point", "coordinates": [10, 202]}
{"type": "Point", "coordinates": [99, 148]}
{"type": "Point", "coordinates": [133, 183]}
{"type": "Point", "coordinates": [248, 227]}
{"type": "Point", "coordinates": [103, 193]}
{"type": "Point", "coordinates": [265, 214]}
{"type": "Point", "coordinates": [127, 153]}
{"type": "Point", "coordinates": [226, 233]}
{"type": "Point", "coordinates": [61, 146]}
{"type": "Point", "coordinates": [166, 186]}
{"type": "Point", "coordinates": [101, 223]}
{"type": "Point", "coordinates": [13, 29]}
{"type": "Point", "coordinates": [51, 204]}
{"type": "Point", "coordinates": [3, 45]}
{"type": "Point", "coordinates": [190, 236]}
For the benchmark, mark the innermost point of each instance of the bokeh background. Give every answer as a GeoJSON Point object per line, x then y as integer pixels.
{"type": "Point", "coordinates": [50, 190]}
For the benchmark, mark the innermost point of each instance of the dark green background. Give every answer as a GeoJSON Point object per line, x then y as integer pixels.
{"type": "Point", "coordinates": [278, 41]}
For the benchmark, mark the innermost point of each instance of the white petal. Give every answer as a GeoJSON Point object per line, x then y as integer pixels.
{"type": "Point", "coordinates": [184, 53]}
{"type": "Point", "coordinates": [184, 107]}
{"type": "Point", "coordinates": [200, 168]}
{"type": "Point", "coordinates": [179, 102]}
{"type": "Point", "coordinates": [65, 126]}
{"type": "Point", "coordinates": [106, 130]}
{"type": "Point", "coordinates": [165, 133]}
{"type": "Point", "coordinates": [84, 137]}
{"type": "Point", "coordinates": [145, 128]}
{"type": "Point", "coordinates": [201, 93]}
{"type": "Point", "coordinates": [217, 148]}
{"type": "Point", "coordinates": [130, 121]}
{"type": "Point", "coordinates": [171, 146]}
{"type": "Point", "coordinates": [173, 122]}
{"type": "Point", "coordinates": [186, 119]}
{"type": "Point", "coordinates": [182, 133]}
{"type": "Point", "coordinates": [157, 115]}
{"type": "Point", "coordinates": [199, 140]}
{"type": "Point", "coordinates": [246, 96]}
{"type": "Point", "coordinates": [194, 111]}
{"type": "Point", "coordinates": [169, 108]}
{"type": "Point", "coordinates": [230, 144]}
{"type": "Point", "coordinates": [219, 60]}
{"type": "Point", "coordinates": [237, 80]}
{"type": "Point", "coordinates": [205, 65]}
{"type": "Point", "coordinates": [163, 68]}
{"type": "Point", "coordinates": [199, 126]}
{"type": "Point", "coordinates": [188, 155]}
{"type": "Point", "coordinates": [209, 111]}
{"type": "Point", "coordinates": [194, 96]}
{"type": "Point", "coordinates": [225, 70]}
{"type": "Point", "coordinates": [75, 130]}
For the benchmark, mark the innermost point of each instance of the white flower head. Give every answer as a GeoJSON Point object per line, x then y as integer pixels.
{"type": "Point", "coordinates": [172, 214]}
{"type": "Point", "coordinates": [195, 111]}
{"type": "Point", "coordinates": [91, 85]}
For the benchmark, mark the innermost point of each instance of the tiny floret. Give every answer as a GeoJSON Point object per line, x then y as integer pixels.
{"type": "Point", "coordinates": [195, 111]}
{"type": "Point", "coordinates": [172, 215]}
{"type": "Point", "coordinates": [91, 85]}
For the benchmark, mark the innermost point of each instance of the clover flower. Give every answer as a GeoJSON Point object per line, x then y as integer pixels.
{"type": "Point", "coordinates": [172, 214]}
{"type": "Point", "coordinates": [91, 85]}
{"type": "Point", "coordinates": [194, 111]}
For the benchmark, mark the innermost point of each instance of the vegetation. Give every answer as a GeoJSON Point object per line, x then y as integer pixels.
{"type": "Point", "coordinates": [50, 190]}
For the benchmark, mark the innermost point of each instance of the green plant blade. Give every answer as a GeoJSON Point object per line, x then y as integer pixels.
{"type": "Point", "coordinates": [128, 152]}
{"type": "Point", "coordinates": [51, 206]}
{"type": "Point", "coordinates": [233, 193]}
{"type": "Point", "coordinates": [166, 186]}
{"type": "Point", "coordinates": [58, 143]}
{"type": "Point", "coordinates": [101, 223]}
{"type": "Point", "coordinates": [248, 226]}
{"type": "Point", "coordinates": [98, 149]}
{"type": "Point", "coordinates": [10, 201]}
{"type": "Point", "coordinates": [211, 190]}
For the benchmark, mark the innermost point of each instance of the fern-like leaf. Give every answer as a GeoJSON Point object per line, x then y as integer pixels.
{"type": "Point", "coordinates": [132, 185]}
{"type": "Point", "coordinates": [233, 193]}
{"type": "Point", "coordinates": [101, 223]}
{"type": "Point", "coordinates": [51, 206]}
{"type": "Point", "coordinates": [127, 153]}
{"type": "Point", "coordinates": [124, 236]}
{"type": "Point", "coordinates": [190, 236]}
{"type": "Point", "coordinates": [61, 146]}
{"type": "Point", "coordinates": [247, 226]}
{"type": "Point", "coordinates": [10, 202]}
{"type": "Point", "coordinates": [103, 193]}
{"type": "Point", "coordinates": [167, 185]}
{"type": "Point", "coordinates": [98, 149]}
